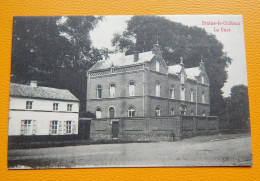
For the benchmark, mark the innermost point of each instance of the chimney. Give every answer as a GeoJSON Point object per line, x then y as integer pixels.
{"type": "Point", "coordinates": [136, 56]}
{"type": "Point", "coordinates": [33, 83]}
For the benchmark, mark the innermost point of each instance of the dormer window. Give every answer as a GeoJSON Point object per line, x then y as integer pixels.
{"type": "Point", "coordinates": [182, 78]}
{"type": "Point", "coordinates": [202, 80]}
{"type": "Point", "coordinates": [182, 93]}
{"type": "Point", "coordinates": [157, 66]}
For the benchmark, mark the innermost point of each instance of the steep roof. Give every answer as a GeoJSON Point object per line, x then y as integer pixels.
{"type": "Point", "coordinates": [192, 73]}
{"type": "Point", "coordinates": [21, 90]}
{"type": "Point", "coordinates": [174, 69]}
{"type": "Point", "coordinates": [120, 59]}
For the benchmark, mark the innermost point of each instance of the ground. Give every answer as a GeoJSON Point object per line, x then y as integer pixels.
{"type": "Point", "coordinates": [215, 150]}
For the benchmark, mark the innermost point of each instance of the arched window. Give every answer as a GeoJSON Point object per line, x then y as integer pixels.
{"type": "Point", "coordinates": [203, 97]}
{"type": "Point", "coordinates": [191, 95]}
{"type": "Point", "coordinates": [202, 79]}
{"type": "Point", "coordinates": [172, 92]}
{"type": "Point", "coordinates": [172, 111]}
{"type": "Point", "coordinates": [112, 90]}
{"type": "Point", "coordinates": [191, 112]}
{"type": "Point", "coordinates": [99, 91]}
{"type": "Point", "coordinates": [131, 88]}
{"type": "Point", "coordinates": [182, 93]}
{"type": "Point", "coordinates": [183, 110]}
{"type": "Point", "coordinates": [131, 111]}
{"type": "Point", "coordinates": [158, 89]}
{"type": "Point", "coordinates": [98, 113]}
{"type": "Point", "coordinates": [157, 66]}
{"type": "Point", "coordinates": [111, 111]}
{"type": "Point", "coordinates": [157, 111]}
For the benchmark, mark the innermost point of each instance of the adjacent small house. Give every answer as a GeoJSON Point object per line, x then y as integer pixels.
{"type": "Point", "coordinates": [36, 110]}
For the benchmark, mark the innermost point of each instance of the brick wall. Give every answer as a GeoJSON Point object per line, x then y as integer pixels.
{"type": "Point", "coordinates": [167, 128]}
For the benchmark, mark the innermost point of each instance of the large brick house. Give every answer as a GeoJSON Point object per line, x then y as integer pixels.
{"type": "Point", "coordinates": [142, 85]}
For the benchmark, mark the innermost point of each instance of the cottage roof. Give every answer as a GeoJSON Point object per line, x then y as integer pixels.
{"type": "Point", "coordinates": [174, 69]}
{"type": "Point", "coordinates": [120, 59]}
{"type": "Point", "coordinates": [21, 90]}
{"type": "Point", "coordinates": [192, 73]}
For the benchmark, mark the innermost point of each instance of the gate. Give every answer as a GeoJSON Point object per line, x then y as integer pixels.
{"type": "Point", "coordinates": [115, 129]}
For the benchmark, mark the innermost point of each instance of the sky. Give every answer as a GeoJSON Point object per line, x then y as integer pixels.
{"type": "Point", "coordinates": [231, 36]}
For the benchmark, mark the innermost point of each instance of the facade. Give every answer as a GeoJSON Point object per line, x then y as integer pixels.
{"type": "Point", "coordinates": [142, 85]}
{"type": "Point", "coordinates": [35, 110]}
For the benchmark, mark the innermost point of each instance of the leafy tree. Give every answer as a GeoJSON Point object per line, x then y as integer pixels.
{"type": "Point", "coordinates": [56, 51]}
{"type": "Point", "coordinates": [176, 40]}
{"type": "Point", "coordinates": [237, 108]}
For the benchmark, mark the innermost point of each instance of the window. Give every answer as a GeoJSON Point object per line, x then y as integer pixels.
{"type": "Point", "coordinates": [28, 127]}
{"type": "Point", "coordinates": [182, 78]}
{"type": "Point", "coordinates": [69, 107]}
{"type": "Point", "coordinates": [53, 127]}
{"type": "Point", "coordinates": [112, 90]}
{"type": "Point", "coordinates": [111, 111]}
{"type": "Point", "coordinates": [157, 111]}
{"type": "Point", "coordinates": [172, 111]}
{"type": "Point", "coordinates": [68, 127]}
{"type": "Point", "coordinates": [172, 92]}
{"type": "Point", "coordinates": [29, 104]}
{"type": "Point", "coordinates": [203, 113]}
{"type": "Point", "coordinates": [203, 97]}
{"type": "Point", "coordinates": [183, 110]}
{"type": "Point", "coordinates": [158, 91]}
{"type": "Point", "coordinates": [191, 95]}
{"type": "Point", "coordinates": [99, 91]}
{"type": "Point", "coordinates": [182, 93]}
{"type": "Point", "coordinates": [191, 113]}
{"type": "Point", "coordinates": [157, 66]}
{"type": "Point", "coordinates": [131, 112]}
{"type": "Point", "coordinates": [55, 106]}
{"type": "Point", "coordinates": [202, 80]}
{"type": "Point", "coordinates": [131, 89]}
{"type": "Point", "coordinates": [98, 113]}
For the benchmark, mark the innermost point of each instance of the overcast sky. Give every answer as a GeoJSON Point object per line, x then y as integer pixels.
{"type": "Point", "coordinates": [233, 41]}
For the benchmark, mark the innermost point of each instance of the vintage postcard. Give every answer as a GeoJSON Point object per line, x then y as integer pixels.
{"type": "Point", "coordinates": [128, 91]}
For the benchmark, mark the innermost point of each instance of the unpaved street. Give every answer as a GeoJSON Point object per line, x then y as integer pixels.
{"type": "Point", "coordinates": [215, 150]}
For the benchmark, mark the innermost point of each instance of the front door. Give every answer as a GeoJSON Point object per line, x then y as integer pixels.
{"type": "Point", "coordinates": [115, 129]}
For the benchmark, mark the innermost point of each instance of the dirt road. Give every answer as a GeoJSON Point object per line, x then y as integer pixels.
{"type": "Point", "coordinates": [199, 151]}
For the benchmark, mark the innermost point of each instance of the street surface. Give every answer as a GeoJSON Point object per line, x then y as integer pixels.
{"type": "Point", "coordinates": [216, 150]}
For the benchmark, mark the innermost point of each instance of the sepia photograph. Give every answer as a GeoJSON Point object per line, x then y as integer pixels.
{"type": "Point", "coordinates": [128, 91]}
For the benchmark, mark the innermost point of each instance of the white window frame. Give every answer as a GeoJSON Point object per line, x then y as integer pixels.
{"type": "Point", "coordinates": [172, 112]}
{"type": "Point", "coordinates": [112, 90]}
{"type": "Point", "coordinates": [99, 92]}
{"type": "Point", "coordinates": [203, 98]}
{"type": "Point", "coordinates": [69, 107]}
{"type": "Point", "coordinates": [131, 88]}
{"type": "Point", "coordinates": [202, 79]}
{"type": "Point", "coordinates": [172, 92]}
{"type": "Point", "coordinates": [131, 112]}
{"type": "Point", "coordinates": [182, 92]}
{"type": "Point", "coordinates": [98, 113]}
{"type": "Point", "coordinates": [29, 105]}
{"type": "Point", "coordinates": [68, 127]}
{"type": "Point", "coordinates": [157, 66]}
{"type": "Point", "coordinates": [55, 106]}
{"type": "Point", "coordinates": [191, 95]}
{"type": "Point", "coordinates": [28, 127]}
{"type": "Point", "coordinates": [157, 111]}
{"type": "Point", "coordinates": [54, 125]}
{"type": "Point", "coordinates": [158, 89]}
